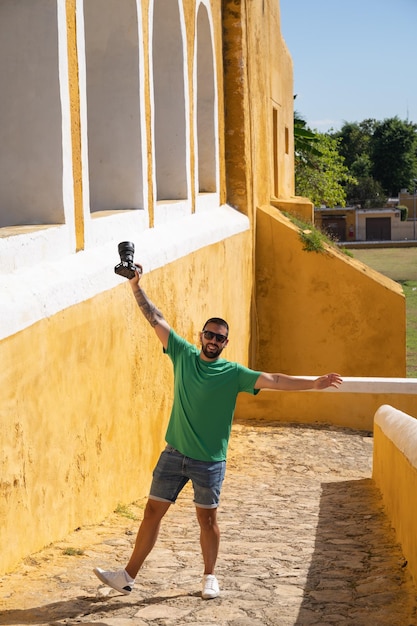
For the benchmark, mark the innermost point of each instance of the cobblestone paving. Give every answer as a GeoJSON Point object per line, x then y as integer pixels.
{"type": "Point", "coordinates": [305, 541]}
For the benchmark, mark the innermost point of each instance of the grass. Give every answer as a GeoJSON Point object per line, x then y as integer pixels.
{"type": "Point", "coordinates": [73, 552]}
{"type": "Point", "coordinates": [313, 238]}
{"type": "Point", "coordinates": [125, 511]}
{"type": "Point", "coordinates": [399, 264]}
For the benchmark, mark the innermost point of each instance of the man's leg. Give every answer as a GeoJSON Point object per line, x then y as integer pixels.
{"type": "Point", "coordinates": [209, 540]}
{"type": "Point", "coordinates": [207, 478]}
{"type": "Point", "coordinates": [147, 534]}
{"type": "Point", "coordinates": [209, 537]}
{"type": "Point", "coordinates": [123, 580]}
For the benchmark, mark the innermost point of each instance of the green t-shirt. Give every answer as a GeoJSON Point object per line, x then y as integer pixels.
{"type": "Point", "coordinates": [204, 400]}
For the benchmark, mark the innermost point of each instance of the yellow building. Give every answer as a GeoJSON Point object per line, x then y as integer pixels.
{"type": "Point", "coordinates": [168, 123]}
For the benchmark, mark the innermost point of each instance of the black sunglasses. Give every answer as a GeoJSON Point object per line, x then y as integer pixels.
{"type": "Point", "coordinates": [209, 335]}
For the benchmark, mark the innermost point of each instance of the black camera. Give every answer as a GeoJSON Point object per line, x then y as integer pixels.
{"type": "Point", "coordinates": [127, 267]}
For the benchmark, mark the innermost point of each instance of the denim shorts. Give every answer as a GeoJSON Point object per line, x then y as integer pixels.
{"type": "Point", "coordinates": [174, 470]}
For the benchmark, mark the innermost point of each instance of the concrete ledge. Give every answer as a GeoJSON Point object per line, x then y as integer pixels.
{"type": "Point", "coordinates": [395, 474]}
{"type": "Point", "coordinates": [401, 429]}
{"type": "Point", "coordinates": [353, 405]}
{"type": "Point", "coordinates": [32, 293]}
{"type": "Point", "coordinates": [406, 243]}
{"type": "Point", "coordinates": [360, 384]}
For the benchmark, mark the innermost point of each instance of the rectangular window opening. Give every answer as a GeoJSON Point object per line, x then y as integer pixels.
{"type": "Point", "coordinates": [275, 149]}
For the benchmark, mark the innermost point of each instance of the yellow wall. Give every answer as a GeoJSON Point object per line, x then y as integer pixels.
{"type": "Point", "coordinates": [258, 77]}
{"type": "Point", "coordinates": [396, 476]}
{"type": "Point", "coordinates": [320, 312]}
{"type": "Point", "coordinates": [270, 81]}
{"type": "Point", "coordinates": [298, 206]}
{"type": "Point", "coordinates": [74, 97]}
{"type": "Point", "coordinates": [409, 200]}
{"type": "Point", "coordinates": [86, 396]}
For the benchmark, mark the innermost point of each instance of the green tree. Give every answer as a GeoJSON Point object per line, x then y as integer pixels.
{"type": "Point", "coordinates": [354, 141]}
{"type": "Point", "coordinates": [322, 176]}
{"type": "Point", "coordinates": [366, 193]}
{"type": "Point", "coordinates": [305, 140]}
{"type": "Point", "coordinates": [355, 146]}
{"type": "Point", "coordinates": [394, 154]}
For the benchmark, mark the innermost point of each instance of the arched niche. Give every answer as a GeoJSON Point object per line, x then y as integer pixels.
{"type": "Point", "coordinates": [169, 103]}
{"type": "Point", "coordinates": [113, 105]}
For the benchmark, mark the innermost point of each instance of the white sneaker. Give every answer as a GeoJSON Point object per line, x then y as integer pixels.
{"type": "Point", "coordinates": [119, 580]}
{"type": "Point", "coordinates": [210, 587]}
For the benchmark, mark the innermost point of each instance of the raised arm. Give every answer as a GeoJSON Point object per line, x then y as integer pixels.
{"type": "Point", "coordinates": [284, 382]}
{"type": "Point", "coordinates": [149, 310]}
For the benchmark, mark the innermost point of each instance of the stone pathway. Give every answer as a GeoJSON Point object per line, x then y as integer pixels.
{"type": "Point", "coordinates": [304, 542]}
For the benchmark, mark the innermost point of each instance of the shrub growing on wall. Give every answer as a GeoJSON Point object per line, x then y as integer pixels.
{"type": "Point", "coordinates": [404, 212]}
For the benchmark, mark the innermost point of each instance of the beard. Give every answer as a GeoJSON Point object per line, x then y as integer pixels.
{"type": "Point", "coordinates": [211, 350]}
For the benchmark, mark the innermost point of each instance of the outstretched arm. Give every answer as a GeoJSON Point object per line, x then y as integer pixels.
{"type": "Point", "coordinates": [284, 382]}
{"type": "Point", "coordinates": [149, 310]}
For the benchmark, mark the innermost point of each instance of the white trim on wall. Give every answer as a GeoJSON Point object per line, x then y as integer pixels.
{"type": "Point", "coordinates": [38, 291]}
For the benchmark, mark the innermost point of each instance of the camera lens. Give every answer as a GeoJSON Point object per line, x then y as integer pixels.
{"type": "Point", "coordinates": [126, 251]}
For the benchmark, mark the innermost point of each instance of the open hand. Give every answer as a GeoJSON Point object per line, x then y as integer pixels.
{"type": "Point", "coordinates": [329, 380]}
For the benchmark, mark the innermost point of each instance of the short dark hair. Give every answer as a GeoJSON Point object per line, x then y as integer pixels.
{"type": "Point", "coordinates": [219, 321]}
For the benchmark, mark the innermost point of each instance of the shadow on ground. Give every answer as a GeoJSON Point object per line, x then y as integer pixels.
{"type": "Point", "coordinates": [76, 608]}
{"type": "Point", "coordinates": [353, 576]}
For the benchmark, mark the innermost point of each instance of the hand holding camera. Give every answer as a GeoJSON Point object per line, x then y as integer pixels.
{"type": "Point", "coordinates": [127, 267]}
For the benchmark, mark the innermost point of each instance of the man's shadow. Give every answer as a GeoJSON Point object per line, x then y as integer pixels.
{"type": "Point", "coordinates": [76, 607]}
{"type": "Point", "coordinates": [67, 609]}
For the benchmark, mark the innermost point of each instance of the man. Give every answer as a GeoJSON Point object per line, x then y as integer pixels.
{"type": "Point", "coordinates": [205, 391]}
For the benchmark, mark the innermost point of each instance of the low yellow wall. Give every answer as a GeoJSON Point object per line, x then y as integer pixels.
{"type": "Point", "coordinates": [86, 394]}
{"type": "Point", "coordinates": [321, 312]}
{"type": "Point", "coordinates": [395, 473]}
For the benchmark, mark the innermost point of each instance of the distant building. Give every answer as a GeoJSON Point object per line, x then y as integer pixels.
{"type": "Point", "coordinates": [352, 224]}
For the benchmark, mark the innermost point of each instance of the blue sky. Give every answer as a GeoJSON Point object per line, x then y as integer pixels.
{"type": "Point", "coordinates": [352, 60]}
